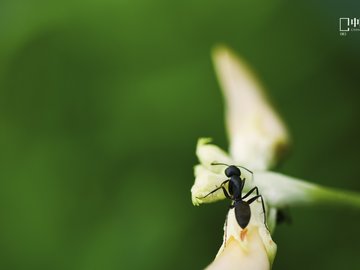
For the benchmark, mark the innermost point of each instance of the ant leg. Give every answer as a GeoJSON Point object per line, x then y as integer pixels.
{"type": "Point", "coordinates": [242, 183]}
{"type": "Point", "coordinates": [251, 191]}
{"type": "Point", "coordinates": [227, 195]}
{"type": "Point", "coordinates": [221, 186]}
{"type": "Point", "coordinates": [263, 206]}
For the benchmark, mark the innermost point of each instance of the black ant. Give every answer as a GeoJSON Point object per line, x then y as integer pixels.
{"type": "Point", "coordinates": [234, 193]}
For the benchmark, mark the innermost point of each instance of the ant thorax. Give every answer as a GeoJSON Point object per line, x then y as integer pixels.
{"type": "Point", "coordinates": [235, 187]}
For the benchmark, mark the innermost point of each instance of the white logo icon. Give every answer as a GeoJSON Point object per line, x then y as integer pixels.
{"type": "Point", "coordinates": [348, 25]}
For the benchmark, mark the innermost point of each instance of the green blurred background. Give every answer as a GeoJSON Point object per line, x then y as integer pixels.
{"type": "Point", "coordinates": [101, 104]}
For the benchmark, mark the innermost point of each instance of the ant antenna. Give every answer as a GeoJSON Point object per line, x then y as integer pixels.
{"type": "Point", "coordinates": [218, 163]}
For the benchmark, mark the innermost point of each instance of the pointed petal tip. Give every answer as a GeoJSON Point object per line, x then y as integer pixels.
{"type": "Point", "coordinates": [257, 134]}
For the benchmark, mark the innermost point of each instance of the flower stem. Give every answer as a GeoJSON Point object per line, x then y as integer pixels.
{"type": "Point", "coordinates": [335, 197]}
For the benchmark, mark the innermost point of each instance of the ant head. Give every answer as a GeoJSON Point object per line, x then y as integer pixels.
{"type": "Point", "coordinates": [232, 170]}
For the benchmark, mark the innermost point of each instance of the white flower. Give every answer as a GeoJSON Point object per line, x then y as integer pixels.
{"type": "Point", "coordinates": [257, 139]}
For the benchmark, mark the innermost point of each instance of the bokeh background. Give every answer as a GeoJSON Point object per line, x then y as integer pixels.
{"type": "Point", "coordinates": [101, 104]}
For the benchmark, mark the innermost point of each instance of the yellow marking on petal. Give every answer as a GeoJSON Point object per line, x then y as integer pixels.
{"type": "Point", "coordinates": [243, 234]}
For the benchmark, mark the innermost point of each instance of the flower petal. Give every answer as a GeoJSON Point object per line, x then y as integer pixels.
{"type": "Point", "coordinates": [205, 182]}
{"type": "Point", "coordinates": [208, 177]}
{"type": "Point", "coordinates": [234, 257]}
{"type": "Point", "coordinates": [253, 245]}
{"type": "Point", "coordinates": [282, 191]}
{"type": "Point", "coordinates": [209, 153]}
{"type": "Point", "coordinates": [257, 134]}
